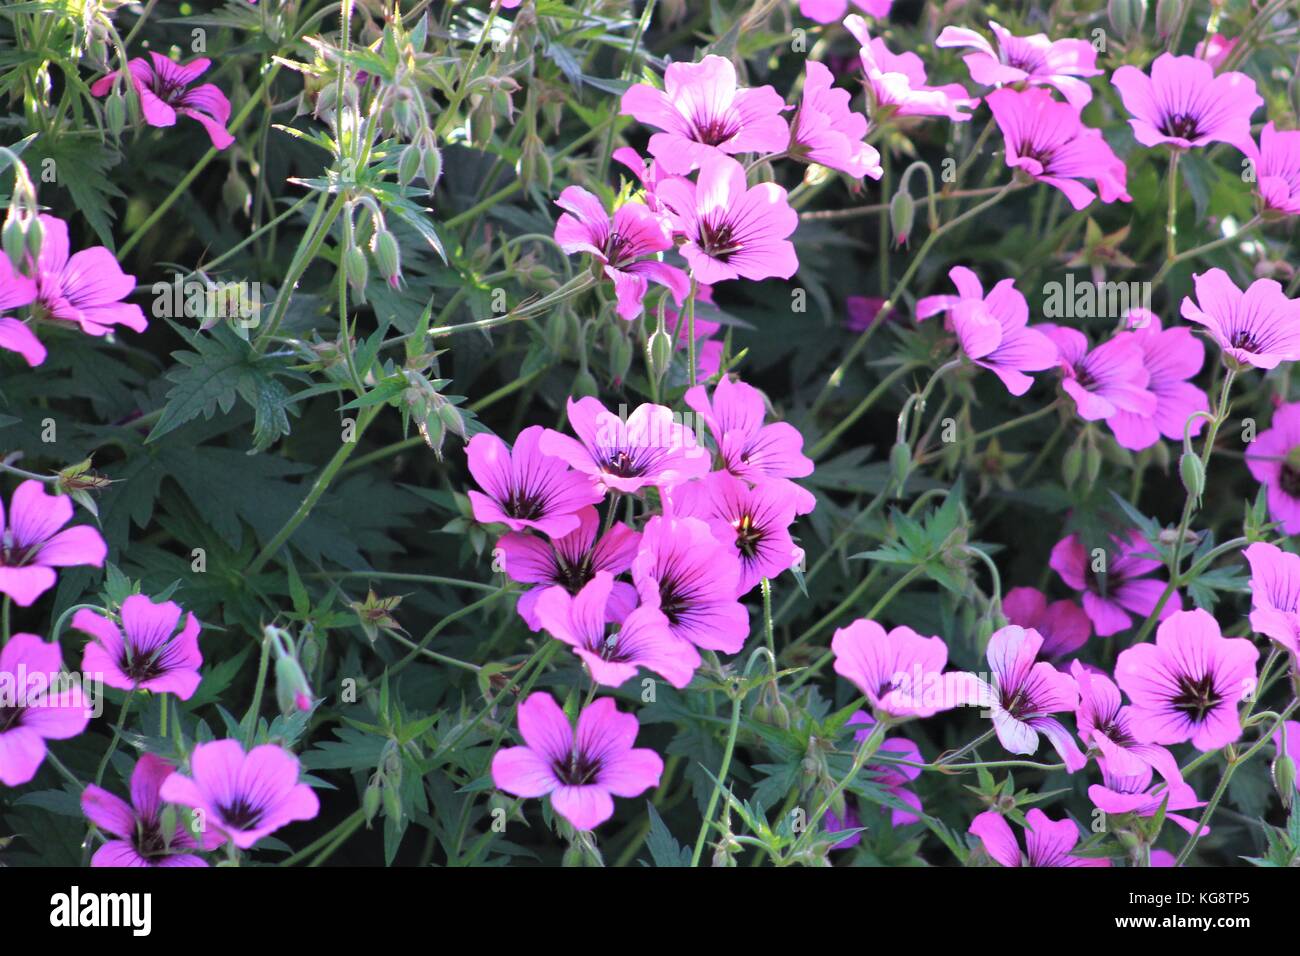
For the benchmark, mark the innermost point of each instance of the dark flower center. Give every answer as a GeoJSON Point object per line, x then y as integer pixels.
{"type": "Point", "coordinates": [579, 770]}
{"type": "Point", "coordinates": [717, 240]}
{"type": "Point", "coordinates": [149, 841]}
{"type": "Point", "coordinates": [1196, 696]}
{"type": "Point", "coordinates": [573, 577]}
{"type": "Point", "coordinates": [715, 130]}
{"type": "Point", "coordinates": [10, 715]}
{"type": "Point", "coordinates": [616, 248]}
{"type": "Point", "coordinates": [141, 668]}
{"type": "Point", "coordinates": [748, 536]}
{"type": "Point", "coordinates": [1182, 125]}
{"type": "Point", "coordinates": [622, 464]}
{"type": "Point", "coordinates": [1244, 340]}
{"type": "Point", "coordinates": [1289, 480]}
{"type": "Point", "coordinates": [524, 505]}
{"type": "Point", "coordinates": [241, 815]}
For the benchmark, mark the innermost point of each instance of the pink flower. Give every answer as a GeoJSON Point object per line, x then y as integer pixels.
{"type": "Point", "coordinates": [18, 290]}
{"type": "Point", "coordinates": [568, 562]}
{"type": "Point", "coordinates": [146, 652]}
{"type": "Point", "coordinates": [32, 546]}
{"type": "Point", "coordinates": [1123, 792]}
{"type": "Point", "coordinates": [650, 448]}
{"type": "Point", "coordinates": [832, 11]}
{"type": "Point", "coordinates": [694, 578]}
{"type": "Point", "coordinates": [1114, 583]}
{"type": "Point", "coordinates": [1035, 60]}
{"type": "Point", "coordinates": [1106, 380]}
{"type": "Point", "coordinates": [898, 671]}
{"type": "Point", "coordinates": [86, 288]}
{"type": "Point", "coordinates": [826, 131]}
{"type": "Point", "coordinates": [1215, 49]}
{"type": "Point", "coordinates": [1023, 695]}
{"type": "Point", "coordinates": [1274, 460]}
{"type": "Point", "coordinates": [1275, 594]}
{"type": "Point", "coordinates": [862, 310]}
{"type": "Point", "coordinates": [526, 488]}
{"type": "Point", "coordinates": [1277, 169]}
{"type": "Point", "coordinates": [891, 777]}
{"type": "Point", "coordinates": [1048, 842]}
{"type": "Point", "coordinates": [708, 350]}
{"type": "Point", "coordinates": [620, 245]}
{"type": "Point", "coordinates": [1064, 626]}
{"type": "Point", "coordinates": [1259, 327]}
{"type": "Point", "coordinates": [749, 448]}
{"type": "Point", "coordinates": [1184, 104]}
{"type": "Point", "coordinates": [702, 115]}
{"type": "Point", "coordinates": [138, 824]}
{"type": "Point", "coordinates": [243, 796]}
{"type": "Point", "coordinates": [1171, 357]}
{"type": "Point", "coordinates": [1048, 140]}
{"type": "Point", "coordinates": [36, 706]}
{"type": "Point", "coordinates": [755, 518]}
{"type": "Point", "coordinates": [896, 82]}
{"type": "Point", "coordinates": [732, 230]}
{"type": "Point", "coordinates": [1187, 685]}
{"type": "Point", "coordinates": [165, 92]}
{"type": "Point", "coordinates": [1105, 723]}
{"type": "Point", "coordinates": [582, 772]}
{"type": "Point", "coordinates": [643, 638]}
{"type": "Point", "coordinates": [648, 174]}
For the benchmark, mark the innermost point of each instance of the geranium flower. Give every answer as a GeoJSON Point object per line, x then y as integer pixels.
{"type": "Point", "coordinates": [623, 246]}
{"type": "Point", "coordinates": [733, 230]}
{"type": "Point", "coordinates": [581, 772]}
{"type": "Point", "coordinates": [1022, 696]}
{"type": "Point", "coordinates": [1122, 792]}
{"type": "Point", "coordinates": [708, 350]}
{"type": "Point", "coordinates": [243, 796]}
{"type": "Point", "coordinates": [826, 131]}
{"type": "Point", "coordinates": [1187, 684]}
{"type": "Point", "coordinates": [1277, 169]}
{"type": "Point", "coordinates": [1035, 60]}
{"type": "Point", "coordinates": [1048, 842]}
{"type": "Point", "coordinates": [694, 578]}
{"type": "Point", "coordinates": [899, 671]}
{"type": "Point", "coordinates": [703, 115]}
{"type": "Point", "coordinates": [1105, 380]}
{"type": "Point", "coordinates": [832, 11]}
{"type": "Point", "coordinates": [1215, 49]}
{"type": "Point", "coordinates": [1275, 593]}
{"type": "Point", "coordinates": [166, 91]}
{"type": "Point", "coordinates": [1182, 103]}
{"type": "Point", "coordinates": [146, 652]}
{"type": "Point", "coordinates": [137, 825]}
{"type": "Point", "coordinates": [32, 544]}
{"type": "Point", "coordinates": [893, 778]}
{"type": "Point", "coordinates": [525, 487]}
{"type": "Point", "coordinates": [749, 448]}
{"type": "Point", "coordinates": [994, 334]}
{"type": "Point", "coordinates": [36, 705]}
{"type": "Point", "coordinates": [1064, 626]}
{"type": "Point", "coordinates": [642, 639]}
{"type": "Point", "coordinates": [569, 562]}
{"type": "Point", "coordinates": [651, 447]}
{"type": "Point", "coordinates": [17, 290]}
{"type": "Point", "coordinates": [896, 82]}
{"type": "Point", "coordinates": [1259, 327]}
{"type": "Point", "coordinates": [648, 173]}
{"type": "Point", "coordinates": [86, 288]}
{"type": "Point", "coordinates": [1048, 140]}
{"type": "Point", "coordinates": [1121, 588]}
{"type": "Point", "coordinates": [1171, 357]}
{"type": "Point", "coordinates": [1105, 723]}
{"type": "Point", "coordinates": [1274, 461]}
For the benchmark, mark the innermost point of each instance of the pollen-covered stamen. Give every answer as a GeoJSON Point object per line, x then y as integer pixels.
{"type": "Point", "coordinates": [1197, 696]}
{"type": "Point", "coordinates": [749, 536]}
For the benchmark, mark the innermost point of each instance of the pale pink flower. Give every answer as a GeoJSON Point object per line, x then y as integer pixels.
{"type": "Point", "coordinates": [1171, 357]}
{"type": "Point", "coordinates": [1104, 380]}
{"type": "Point", "coordinates": [832, 11]}
{"type": "Point", "coordinates": [1277, 169]}
{"type": "Point", "coordinates": [896, 82]}
{"type": "Point", "coordinates": [18, 290]}
{"type": "Point", "coordinates": [1035, 60]}
{"type": "Point", "coordinates": [898, 671]}
{"type": "Point", "coordinates": [36, 706]}
{"type": "Point", "coordinates": [1274, 460]}
{"type": "Point", "coordinates": [86, 288]}
{"type": "Point", "coordinates": [1183, 104]}
{"type": "Point", "coordinates": [1048, 842]}
{"type": "Point", "coordinates": [827, 131]}
{"type": "Point", "coordinates": [1259, 327]}
{"type": "Point", "coordinates": [750, 449]}
{"type": "Point", "coordinates": [524, 487]}
{"type": "Point", "coordinates": [1275, 593]}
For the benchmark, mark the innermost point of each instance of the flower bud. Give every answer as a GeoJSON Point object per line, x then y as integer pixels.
{"type": "Point", "coordinates": [584, 385]}
{"type": "Point", "coordinates": [354, 266]}
{"type": "Point", "coordinates": [14, 239]}
{"type": "Point", "coordinates": [388, 256]}
{"type": "Point", "coordinates": [432, 165]}
{"type": "Point", "coordinates": [35, 236]}
{"type": "Point", "coordinates": [1092, 464]}
{"type": "Point", "coordinates": [1284, 779]}
{"type": "Point", "coordinates": [1193, 474]}
{"type": "Point", "coordinates": [900, 463]}
{"type": "Point", "coordinates": [659, 354]}
{"type": "Point", "coordinates": [1072, 464]}
{"type": "Point", "coordinates": [408, 165]}
{"type": "Point", "coordinates": [902, 213]}
{"type": "Point", "coordinates": [1168, 13]}
{"type": "Point", "coordinates": [370, 800]}
{"type": "Point", "coordinates": [1126, 17]}
{"type": "Point", "coordinates": [115, 112]}
{"type": "Point", "coordinates": [291, 689]}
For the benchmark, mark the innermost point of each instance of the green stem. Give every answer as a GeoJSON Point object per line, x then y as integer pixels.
{"type": "Point", "coordinates": [827, 440]}
{"type": "Point", "coordinates": [117, 736]}
{"type": "Point", "coordinates": [255, 708]}
{"type": "Point", "coordinates": [732, 731]}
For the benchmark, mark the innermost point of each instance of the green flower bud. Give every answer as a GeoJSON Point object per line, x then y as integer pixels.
{"type": "Point", "coordinates": [115, 112]}
{"type": "Point", "coordinates": [900, 463]}
{"type": "Point", "coordinates": [35, 236]}
{"type": "Point", "coordinates": [659, 354]}
{"type": "Point", "coordinates": [388, 256]}
{"type": "Point", "coordinates": [14, 239]}
{"type": "Point", "coordinates": [1284, 779]}
{"type": "Point", "coordinates": [1127, 17]}
{"type": "Point", "coordinates": [1193, 474]}
{"type": "Point", "coordinates": [408, 165]}
{"type": "Point", "coordinates": [1072, 464]}
{"type": "Point", "coordinates": [356, 269]}
{"type": "Point", "coordinates": [1168, 13]}
{"type": "Point", "coordinates": [902, 213]}
{"type": "Point", "coordinates": [432, 166]}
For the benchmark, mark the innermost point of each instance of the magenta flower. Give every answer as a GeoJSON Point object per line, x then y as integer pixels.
{"type": "Point", "coordinates": [1113, 584]}
{"type": "Point", "coordinates": [1215, 49]}
{"type": "Point", "coordinates": [862, 310]}
{"type": "Point", "coordinates": [1048, 842]}
{"type": "Point", "coordinates": [749, 448]}
{"type": "Point", "coordinates": [708, 350]}
{"type": "Point", "coordinates": [569, 562]}
{"type": "Point", "coordinates": [86, 288]}
{"type": "Point", "coordinates": [732, 230]}
{"type": "Point", "coordinates": [832, 11]}
{"type": "Point", "coordinates": [826, 131]}
{"type": "Point", "coordinates": [896, 82]}
{"type": "Point", "coordinates": [1106, 380]}
{"type": "Point", "coordinates": [37, 704]}
{"type": "Point", "coordinates": [32, 544]}
{"type": "Point", "coordinates": [1048, 140]}
{"type": "Point", "coordinates": [1171, 357]}
{"type": "Point", "coordinates": [166, 91]}
{"type": "Point", "coordinates": [1063, 625]}
{"type": "Point", "coordinates": [702, 115]}
{"type": "Point", "coordinates": [1105, 723]}
{"type": "Point", "coordinates": [137, 825]}
{"type": "Point", "coordinates": [581, 772]}
{"type": "Point", "coordinates": [893, 778]}
{"type": "Point", "coordinates": [1277, 169]}
{"type": "Point", "coordinates": [18, 290]}
{"type": "Point", "coordinates": [1259, 327]}
{"type": "Point", "coordinates": [146, 652]}
{"type": "Point", "coordinates": [1035, 60]}
{"type": "Point", "coordinates": [1184, 104]}
{"type": "Point", "coordinates": [525, 487]}
{"type": "Point", "coordinates": [649, 174]}
{"type": "Point", "coordinates": [651, 447]}
{"type": "Point", "coordinates": [1274, 460]}
{"type": "Point", "coordinates": [1275, 594]}
{"type": "Point", "coordinates": [1022, 696]}
{"type": "Point", "coordinates": [621, 245]}
{"type": "Point", "coordinates": [755, 518]}
{"type": "Point", "coordinates": [243, 796]}
{"type": "Point", "coordinates": [694, 578]}
{"type": "Point", "coordinates": [643, 638]}
{"type": "Point", "coordinates": [899, 671]}
{"type": "Point", "coordinates": [1123, 792]}
{"type": "Point", "coordinates": [1187, 684]}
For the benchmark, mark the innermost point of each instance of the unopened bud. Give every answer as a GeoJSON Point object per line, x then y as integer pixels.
{"type": "Point", "coordinates": [115, 112]}
{"type": "Point", "coordinates": [1168, 13]}
{"type": "Point", "coordinates": [900, 463]}
{"type": "Point", "coordinates": [291, 688]}
{"type": "Point", "coordinates": [902, 213]}
{"type": "Point", "coordinates": [35, 236]}
{"type": "Point", "coordinates": [1193, 474]}
{"type": "Point", "coordinates": [408, 165]}
{"type": "Point", "coordinates": [15, 241]}
{"type": "Point", "coordinates": [388, 256]}
{"type": "Point", "coordinates": [356, 269]}
{"type": "Point", "coordinates": [1284, 779]}
{"type": "Point", "coordinates": [1126, 17]}
{"type": "Point", "coordinates": [659, 354]}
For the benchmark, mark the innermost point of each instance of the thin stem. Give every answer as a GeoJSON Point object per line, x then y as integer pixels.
{"type": "Point", "coordinates": [732, 730]}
